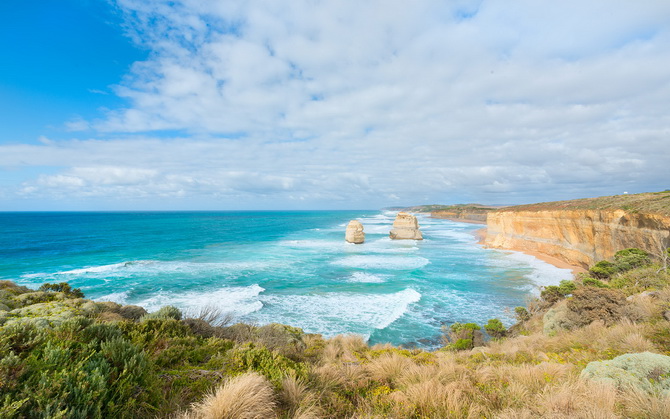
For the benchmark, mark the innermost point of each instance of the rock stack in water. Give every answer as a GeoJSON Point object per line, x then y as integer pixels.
{"type": "Point", "coordinates": [355, 232]}
{"type": "Point", "coordinates": [405, 227]}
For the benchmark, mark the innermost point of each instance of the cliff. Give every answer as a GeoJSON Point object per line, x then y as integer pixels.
{"type": "Point", "coordinates": [463, 213]}
{"type": "Point", "coordinates": [582, 232]}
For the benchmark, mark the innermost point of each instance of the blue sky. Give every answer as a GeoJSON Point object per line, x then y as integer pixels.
{"type": "Point", "coordinates": [204, 104]}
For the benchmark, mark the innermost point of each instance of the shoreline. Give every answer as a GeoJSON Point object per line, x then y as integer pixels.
{"type": "Point", "coordinates": [480, 235]}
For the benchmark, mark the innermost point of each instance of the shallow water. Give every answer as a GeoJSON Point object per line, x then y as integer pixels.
{"type": "Point", "coordinates": [285, 267]}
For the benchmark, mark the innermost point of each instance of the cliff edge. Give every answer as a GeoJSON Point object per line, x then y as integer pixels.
{"type": "Point", "coordinates": [584, 231]}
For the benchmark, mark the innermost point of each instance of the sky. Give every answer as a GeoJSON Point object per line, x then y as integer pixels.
{"type": "Point", "coordinates": [347, 104]}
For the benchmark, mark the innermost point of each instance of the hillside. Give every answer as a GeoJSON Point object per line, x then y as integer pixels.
{"type": "Point", "coordinates": [649, 202]}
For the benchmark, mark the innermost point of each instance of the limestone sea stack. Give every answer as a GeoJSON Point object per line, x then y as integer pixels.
{"type": "Point", "coordinates": [405, 227]}
{"type": "Point", "coordinates": [354, 233]}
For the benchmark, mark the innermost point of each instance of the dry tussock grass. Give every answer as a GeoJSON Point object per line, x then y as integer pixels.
{"type": "Point", "coordinates": [637, 404]}
{"type": "Point", "coordinates": [298, 400]}
{"type": "Point", "coordinates": [388, 368]}
{"type": "Point", "coordinates": [343, 348]}
{"type": "Point", "coordinates": [248, 396]}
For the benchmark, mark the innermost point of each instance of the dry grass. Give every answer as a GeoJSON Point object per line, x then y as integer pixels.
{"type": "Point", "coordinates": [211, 314]}
{"type": "Point", "coordinates": [248, 396]}
{"type": "Point", "coordinates": [637, 404]}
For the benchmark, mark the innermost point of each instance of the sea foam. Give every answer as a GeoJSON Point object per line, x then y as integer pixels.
{"type": "Point", "coordinates": [383, 262]}
{"type": "Point", "coordinates": [336, 313]}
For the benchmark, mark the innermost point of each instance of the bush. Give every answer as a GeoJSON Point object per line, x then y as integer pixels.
{"type": "Point", "coordinates": [592, 282]}
{"type": "Point", "coordinates": [589, 304]}
{"type": "Point", "coordinates": [464, 336]}
{"type": "Point", "coordinates": [495, 328]}
{"type": "Point", "coordinates": [132, 312]}
{"type": "Point", "coordinates": [263, 361]}
{"type": "Point", "coordinates": [78, 369]}
{"type": "Point", "coordinates": [63, 287]}
{"type": "Point", "coordinates": [167, 312]}
{"type": "Point", "coordinates": [644, 371]}
{"type": "Point", "coordinates": [632, 258]}
{"type": "Point", "coordinates": [603, 269]}
{"type": "Point", "coordinates": [521, 314]}
{"type": "Point", "coordinates": [554, 293]}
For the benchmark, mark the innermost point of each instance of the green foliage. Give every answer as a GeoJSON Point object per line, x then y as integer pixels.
{"type": "Point", "coordinates": [632, 258]}
{"type": "Point", "coordinates": [521, 314]}
{"type": "Point", "coordinates": [263, 361]}
{"type": "Point", "coordinates": [464, 327]}
{"type": "Point", "coordinates": [592, 282]}
{"type": "Point", "coordinates": [167, 312]}
{"type": "Point", "coordinates": [590, 303]}
{"type": "Point", "coordinates": [77, 369]}
{"type": "Point", "coordinates": [63, 287]}
{"type": "Point", "coordinates": [603, 269]}
{"type": "Point", "coordinates": [554, 293]}
{"type": "Point", "coordinates": [461, 345]}
{"type": "Point", "coordinates": [644, 371]}
{"type": "Point", "coordinates": [464, 336]}
{"type": "Point", "coordinates": [495, 328]}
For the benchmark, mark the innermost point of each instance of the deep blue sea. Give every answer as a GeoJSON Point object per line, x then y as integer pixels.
{"type": "Point", "coordinates": [287, 267]}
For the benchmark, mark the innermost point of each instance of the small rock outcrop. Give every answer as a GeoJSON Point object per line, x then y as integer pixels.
{"type": "Point", "coordinates": [405, 227]}
{"type": "Point", "coordinates": [354, 233]}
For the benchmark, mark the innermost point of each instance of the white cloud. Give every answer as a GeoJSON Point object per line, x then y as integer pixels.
{"type": "Point", "coordinates": [378, 101]}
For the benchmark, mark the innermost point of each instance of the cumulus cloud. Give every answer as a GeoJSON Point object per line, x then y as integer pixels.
{"type": "Point", "coordinates": [377, 102]}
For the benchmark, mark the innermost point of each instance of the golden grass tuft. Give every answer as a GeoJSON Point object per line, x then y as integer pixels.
{"type": "Point", "coordinates": [248, 396]}
{"type": "Point", "coordinates": [388, 368]}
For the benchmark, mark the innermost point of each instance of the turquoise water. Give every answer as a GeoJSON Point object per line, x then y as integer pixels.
{"type": "Point", "coordinates": [286, 267]}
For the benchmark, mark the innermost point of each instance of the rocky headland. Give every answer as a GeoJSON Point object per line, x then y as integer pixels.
{"type": "Point", "coordinates": [581, 232]}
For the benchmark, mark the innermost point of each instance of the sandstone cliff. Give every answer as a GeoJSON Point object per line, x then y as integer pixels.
{"type": "Point", "coordinates": [582, 232]}
{"type": "Point", "coordinates": [354, 232]}
{"type": "Point", "coordinates": [405, 227]}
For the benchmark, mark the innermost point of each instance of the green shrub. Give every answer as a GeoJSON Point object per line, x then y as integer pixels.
{"type": "Point", "coordinates": [132, 312]}
{"type": "Point", "coordinates": [464, 336]}
{"type": "Point", "coordinates": [495, 328]}
{"type": "Point", "coordinates": [63, 287]}
{"type": "Point", "coordinates": [12, 288]}
{"type": "Point", "coordinates": [263, 361]}
{"type": "Point", "coordinates": [592, 282]}
{"type": "Point", "coordinates": [522, 314]}
{"type": "Point", "coordinates": [589, 304]}
{"type": "Point", "coordinates": [632, 258]}
{"type": "Point", "coordinates": [461, 345]}
{"type": "Point", "coordinates": [78, 369]}
{"type": "Point", "coordinates": [603, 269]}
{"type": "Point", "coordinates": [167, 312]}
{"type": "Point", "coordinates": [554, 293]}
{"type": "Point", "coordinates": [644, 371]}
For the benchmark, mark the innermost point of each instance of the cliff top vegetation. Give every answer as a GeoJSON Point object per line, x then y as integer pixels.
{"type": "Point", "coordinates": [648, 202]}
{"type": "Point", "coordinates": [597, 346]}
{"type": "Point", "coordinates": [452, 208]}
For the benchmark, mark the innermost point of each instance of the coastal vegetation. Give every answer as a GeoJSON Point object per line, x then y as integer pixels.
{"type": "Point", "coordinates": [648, 202]}
{"type": "Point", "coordinates": [598, 346]}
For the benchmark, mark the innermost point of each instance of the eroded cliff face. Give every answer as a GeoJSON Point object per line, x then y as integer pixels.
{"type": "Point", "coordinates": [579, 237]}
{"type": "Point", "coordinates": [467, 216]}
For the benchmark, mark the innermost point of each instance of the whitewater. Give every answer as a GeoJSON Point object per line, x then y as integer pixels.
{"type": "Point", "coordinates": [284, 267]}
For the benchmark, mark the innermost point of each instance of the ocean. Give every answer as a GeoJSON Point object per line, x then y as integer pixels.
{"type": "Point", "coordinates": [290, 267]}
